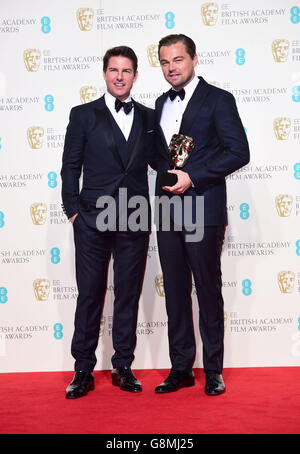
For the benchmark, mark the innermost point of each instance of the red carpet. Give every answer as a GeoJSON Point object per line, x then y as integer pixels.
{"type": "Point", "coordinates": [257, 401]}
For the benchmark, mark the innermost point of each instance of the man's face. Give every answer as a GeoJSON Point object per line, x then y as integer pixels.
{"type": "Point", "coordinates": [119, 77]}
{"type": "Point", "coordinates": [177, 65]}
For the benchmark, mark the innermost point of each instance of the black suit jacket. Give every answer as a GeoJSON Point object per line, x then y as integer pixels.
{"type": "Point", "coordinates": [91, 146]}
{"type": "Point", "coordinates": [221, 147]}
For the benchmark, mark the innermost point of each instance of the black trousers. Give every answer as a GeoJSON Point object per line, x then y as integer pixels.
{"type": "Point", "coordinates": [93, 250]}
{"type": "Point", "coordinates": [179, 260]}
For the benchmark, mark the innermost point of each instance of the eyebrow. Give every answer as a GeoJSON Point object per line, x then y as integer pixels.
{"type": "Point", "coordinates": [177, 56]}
{"type": "Point", "coordinates": [123, 69]}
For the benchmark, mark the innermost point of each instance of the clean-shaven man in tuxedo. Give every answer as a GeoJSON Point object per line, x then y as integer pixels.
{"type": "Point", "coordinates": [109, 141]}
{"type": "Point", "coordinates": [209, 116]}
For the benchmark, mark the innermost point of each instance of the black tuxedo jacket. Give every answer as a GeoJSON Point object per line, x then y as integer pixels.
{"type": "Point", "coordinates": [221, 147]}
{"type": "Point", "coordinates": [93, 144]}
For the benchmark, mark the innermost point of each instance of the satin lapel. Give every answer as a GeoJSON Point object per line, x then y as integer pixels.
{"type": "Point", "coordinates": [193, 106]}
{"type": "Point", "coordinates": [103, 118]}
{"type": "Point", "coordinates": [158, 110]}
{"type": "Point", "coordinates": [162, 137]}
{"type": "Point", "coordinates": [142, 133]}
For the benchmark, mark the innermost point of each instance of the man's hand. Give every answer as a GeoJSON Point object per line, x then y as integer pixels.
{"type": "Point", "coordinates": [184, 182]}
{"type": "Point", "coordinates": [72, 219]}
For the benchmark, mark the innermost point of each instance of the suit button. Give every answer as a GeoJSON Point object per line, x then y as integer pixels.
{"type": "Point", "coordinates": [125, 173]}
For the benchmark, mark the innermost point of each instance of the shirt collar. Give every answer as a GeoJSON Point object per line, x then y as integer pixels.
{"type": "Point", "coordinates": [110, 100]}
{"type": "Point", "coordinates": [190, 87]}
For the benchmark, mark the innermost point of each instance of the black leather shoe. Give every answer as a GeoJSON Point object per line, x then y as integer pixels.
{"type": "Point", "coordinates": [214, 384]}
{"type": "Point", "coordinates": [177, 379]}
{"type": "Point", "coordinates": [82, 383]}
{"type": "Point", "coordinates": [124, 378]}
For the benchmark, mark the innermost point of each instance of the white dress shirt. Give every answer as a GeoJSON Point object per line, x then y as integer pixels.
{"type": "Point", "coordinates": [173, 111]}
{"type": "Point", "coordinates": [123, 121]}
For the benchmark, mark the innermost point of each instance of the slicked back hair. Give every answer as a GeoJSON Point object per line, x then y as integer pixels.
{"type": "Point", "coordinates": [120, 51]}
{"type": "Point", "coordinates": [179, 38]}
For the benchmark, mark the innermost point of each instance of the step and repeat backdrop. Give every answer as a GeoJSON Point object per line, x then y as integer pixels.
{"type": "Point", "coordinates": [51, 60]}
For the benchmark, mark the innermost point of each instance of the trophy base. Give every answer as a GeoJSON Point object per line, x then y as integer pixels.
{"type": "Point", "coordinates": [168, 179]}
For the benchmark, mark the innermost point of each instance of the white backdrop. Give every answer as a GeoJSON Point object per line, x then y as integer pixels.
{"type": "Point", "coordinates": [51, 60]}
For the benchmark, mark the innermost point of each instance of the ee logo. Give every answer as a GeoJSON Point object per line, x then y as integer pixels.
{"type": "Point", "coordinates": [244, 214]}
{"type": "Point", "coordinates": [55, 255]}
{"type": "Point", "coordinates": [296, 93]}
{"type": "Point", "coordinates": [3, 295]}
{"type": "Point", "coordinates": [246, 284]}
{"type": "Point", "coordinates": [1, 219]}
{"type": "Point", "coordinates": [169, 16]}
{"type": "Point", "coordinates": [58, 331]}
{"type": "Point", "coordinates": [240, 57]}
{"type": "Point", "coordinates": [49, 106]}
{"type": "Point", "coordinates": [52, 182]}
{"type": "Point", "coordinates": [295, 14]}
{"type": "Point", "coordinates": [298, 247]}
{"type": "Point", "coordinates": [45, 21]}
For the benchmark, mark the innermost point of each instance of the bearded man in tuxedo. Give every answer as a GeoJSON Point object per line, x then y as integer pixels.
{"type": "Point", "coordinates": [208, 115]}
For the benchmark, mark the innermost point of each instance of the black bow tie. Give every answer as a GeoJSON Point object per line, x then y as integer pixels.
{"type": "Point", "coordinates": [127, 106]}
{"type": "Point", "coordinates": [174, 93]}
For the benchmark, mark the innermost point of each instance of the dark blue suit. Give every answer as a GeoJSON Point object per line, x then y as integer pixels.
{"type": "Point", "coordinates": [95, 145]}
{"type": "Point", "coordinates": [212, 120]}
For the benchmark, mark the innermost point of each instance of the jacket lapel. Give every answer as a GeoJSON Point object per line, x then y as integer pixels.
{"type": "Point", "coordinates": [193, 106]}
{"type": "Point", "coordinates": [139, 115]}
{"type": "Point", "coordinates": [103, 118]}
{"type": "Point", "coordinates": [158, 109]}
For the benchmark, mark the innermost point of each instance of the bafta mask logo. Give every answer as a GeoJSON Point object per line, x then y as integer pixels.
{"type": "Point", "coordinates": [35, 136]}
{"type": "Point", "coordinates": [280, 50]}
{"type": "Point", "coordinates": [180, 149]}
{"type": "Point", "coordinates": [286, 281]}
{"type": "Point", "coordinates": [282, 127]}
{"type": "Point", "coordinates": [85, 19]}
{"type": "Point", "coordinates": [152, 52]}
{"type": "Point", "coordinates": [38, 212]}
{"type": "Point", "coordinates": [284, 204]}
{"type": "Point", "coordinates": [88, 94]}
{"type": "Point", "coordinates": [41, 289]}
{"type": "Point", "coordinates": [32, 59]}
{"type": "Point", "coordinates": [159, 285]}
{"type": "Point", "coordinates": [209, 13]}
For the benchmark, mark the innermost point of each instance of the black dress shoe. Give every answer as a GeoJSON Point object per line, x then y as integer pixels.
{"type": "Point", "coordinates": [82, 383]}
{"type": "Point", "coordinates": [124, 378]}
{"type": "Point", "coordinates": [177, 379]}
{"type": "Point", "coordinates": [214, 384]}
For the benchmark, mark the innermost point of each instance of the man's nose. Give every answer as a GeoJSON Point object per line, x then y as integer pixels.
{"type": "Point", "coordinates": [171, 66]}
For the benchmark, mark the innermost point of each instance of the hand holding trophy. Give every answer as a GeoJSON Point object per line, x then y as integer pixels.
{"type": "Point", "coordinates": [180, 149]}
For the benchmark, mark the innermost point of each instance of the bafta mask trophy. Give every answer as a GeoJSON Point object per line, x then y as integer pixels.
{"type": "Point", "coordinates": [180, 149]}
